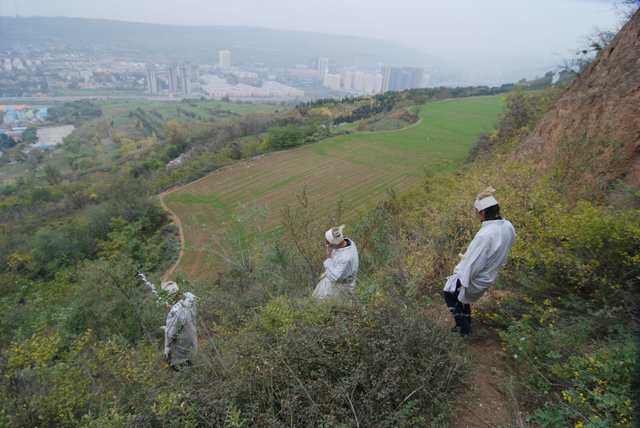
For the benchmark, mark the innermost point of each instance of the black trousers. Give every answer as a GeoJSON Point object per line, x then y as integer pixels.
{"type": "Point", "coordinates": [461, 311]}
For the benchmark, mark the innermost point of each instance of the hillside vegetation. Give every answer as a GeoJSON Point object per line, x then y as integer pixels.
{"type": "Point", "coordinates": [80, 338]}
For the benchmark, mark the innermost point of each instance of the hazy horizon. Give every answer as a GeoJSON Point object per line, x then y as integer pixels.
{"type": "Point", "coordinates": [501, 40]}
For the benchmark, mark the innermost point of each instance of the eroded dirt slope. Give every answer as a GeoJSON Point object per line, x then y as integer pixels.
{"type": "Point", "coordinates": [603, 104]}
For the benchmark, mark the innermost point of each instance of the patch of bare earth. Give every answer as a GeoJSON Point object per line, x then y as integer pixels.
{"type": "Point", "coordinates": [485, 399]}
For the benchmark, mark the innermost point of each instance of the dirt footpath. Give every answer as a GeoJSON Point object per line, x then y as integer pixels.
{"type": "Point", "coordinates": [176, 220]}
{"type": "Point", "coordinates": [485, 401]}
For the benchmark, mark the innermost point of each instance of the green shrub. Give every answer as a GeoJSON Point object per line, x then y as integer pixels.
{"type": "Point", "coordinates": [588, 252]}
{"type": "Point", "coordinates": [285, 137]}
{"type": "Point", "coordinates": [570, 375]}
{"type": "Point", "coordinates": [321, 365]}
{"type": "Point", "coordinates": [50, 383]}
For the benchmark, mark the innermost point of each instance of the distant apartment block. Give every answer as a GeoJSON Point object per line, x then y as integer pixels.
{"type": "Point", "coordinates": [224, 58]}
{"type": "Point", "coordinates": [323, 67]}
{"type": "Point", "coordinates": [400, 79]}
{"type": "Point", "coordinates": [184, 76]}
{"type": "Point", "coordinates": [386, 78]}
{"type": "Point", "coordinates": [177, 78]}
{"type": "Point", "coordinates": [332, 81]}
{"type": "Point", "coordinates": [347, 80]}
{"type": "Point", "coordinates": [377, 84]}
{"type": "Point", "coordinates": [152, 80]}
{"type": "Point", "coordinates": [173, 79]}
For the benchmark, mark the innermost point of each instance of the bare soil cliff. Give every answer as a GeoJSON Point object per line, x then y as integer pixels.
{"type": "Point", "coordinates": [601, 106]}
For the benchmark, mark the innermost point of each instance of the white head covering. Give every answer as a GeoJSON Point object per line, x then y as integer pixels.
{"type": "Point", "coordinates": [170, 287]}
{"type": "Point", "coordinates": [485, 199]}
{"type": "Point", "coordinates": [335, 235]}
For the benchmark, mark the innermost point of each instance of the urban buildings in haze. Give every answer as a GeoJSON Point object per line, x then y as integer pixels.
{"type": "Point", "coordinates": [368, 82]}
{"type": "Point", "coordinates": [224, 58]}
{"type": "Point", "coordinates": [332, 81]}
{"type": "Point", "coordinates": [152, 80]}
{"type": "Point", "coordinates": [184, 75]}
{"type": "Point", "coordinates": [386, 78]}
{"type": "Point", "coordinates": [323, 67]}
{"type": "Point", "coordinates": [175, 79]}
{"type": "Point", "coordinates": [400, 79]}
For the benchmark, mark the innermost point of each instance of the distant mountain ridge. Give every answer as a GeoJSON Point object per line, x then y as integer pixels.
{"type": "Point", "coordinates": [200, 43]}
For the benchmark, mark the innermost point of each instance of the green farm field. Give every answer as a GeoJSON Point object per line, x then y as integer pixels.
{"type": "Point", "coordinates": [358, 169]}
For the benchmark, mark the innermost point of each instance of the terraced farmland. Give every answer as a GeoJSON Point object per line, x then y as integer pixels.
{"type": "Point", "coordinates": [357, 168]}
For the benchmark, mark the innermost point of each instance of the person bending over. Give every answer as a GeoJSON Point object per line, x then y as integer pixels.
{"type": "Point", "coordinates": [340, 266]}
{"type": "Point", "coordinates": [180, 332]}
{"type": "Point", "coordinates": [479, 266]}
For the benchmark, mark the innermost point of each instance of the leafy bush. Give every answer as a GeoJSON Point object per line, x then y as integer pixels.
{"type": "Point", "coordinates": [287, 136]}
{"type": "Point", "coordinates": [109, 300]}
{"type": "Point", "coordinates": [304, 364]}
{"type": "Point", "coordinates": [569, 377]}
{"type": "Point", "coordinates": [589, 252]}
{"type": "Point", "coordinates": [49, 382]}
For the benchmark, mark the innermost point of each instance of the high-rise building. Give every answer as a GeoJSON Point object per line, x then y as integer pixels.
{"type": "Point", "coordinates": [377, 86]}
{"type": "Point", "coordinates": [224, 58]}
{"type": "Point", "coordinates": [347, 80]}
{"type": "Point", "coordinates": [152, 80]}
{"type": "Point", "coordinates": [332, 81]}
{"type": "Point", "coordinates": [173, 79]}
{"type": "Point", "coordinates": [417, 77]}
{"type": "Point", "coordinates": [386, 78]}
{"type": "Point", "coordinates": [323, 67]}
{"type": "Point", "coordinates": [405, 78]}
{"type": "Point", "coordinates": [359, 84]}
{"type": "Point", "coordinates": [184, 76]}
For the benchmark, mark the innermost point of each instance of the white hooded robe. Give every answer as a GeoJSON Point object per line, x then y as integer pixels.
{"type": "Point", "coordinates": [181, 334]}
{"type": "Point", "coordinates": [481, 263]}
{"type": "Point", "coordinates": [340, 273]}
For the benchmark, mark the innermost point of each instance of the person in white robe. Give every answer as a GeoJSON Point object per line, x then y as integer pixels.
{"type": "Point", "coordinates": [479, 266]}
{"type": "Point", "coordinates": [340, 267]}
{"type": "Point", "coordinates": [180, 331]}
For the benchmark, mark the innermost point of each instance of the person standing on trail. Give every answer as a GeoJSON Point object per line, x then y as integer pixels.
{"type": "Point", "coordinates": [180, 332]}
{"type": "Point", "coordinates": [479, 265]}
{"type": "Point", "coordinates": [340, 266]}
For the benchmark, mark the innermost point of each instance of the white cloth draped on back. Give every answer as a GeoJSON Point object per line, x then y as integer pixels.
{"type": "Point", "coordinates": [340, 273]}
{"type": "Point", "coordinates": [181, 335]}
{"type": "Point", "coordinates": [479, 267]}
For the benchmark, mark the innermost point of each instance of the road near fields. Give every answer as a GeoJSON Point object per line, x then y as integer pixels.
{"type": "Point", "coordinates": [358, 169]}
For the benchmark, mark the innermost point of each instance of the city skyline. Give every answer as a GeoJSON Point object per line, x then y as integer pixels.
{"type": "Point", "coordinates": [501, 38]}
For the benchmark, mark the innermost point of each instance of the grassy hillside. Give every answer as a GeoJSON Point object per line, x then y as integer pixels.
{"type": "Point", "coordinates": [357, 169]}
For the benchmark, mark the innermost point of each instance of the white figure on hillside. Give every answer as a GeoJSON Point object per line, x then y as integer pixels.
{"type": "Point", "coordinates": [340, 266]}
{"type": "Point", "coordinates": [180, 331]}
{"type": "Point", "coordinates": [479, 266]}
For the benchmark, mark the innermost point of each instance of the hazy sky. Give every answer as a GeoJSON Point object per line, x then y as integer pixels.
{"type": "Point", "coordinates": [491, 35]}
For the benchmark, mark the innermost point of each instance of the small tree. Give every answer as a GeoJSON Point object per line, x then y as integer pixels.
{"type": "Point", "coordinates": [52, 175]}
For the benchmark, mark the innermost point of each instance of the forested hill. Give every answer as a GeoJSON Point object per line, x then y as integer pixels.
{"type": "Point", "coordinates": [200, 43]}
